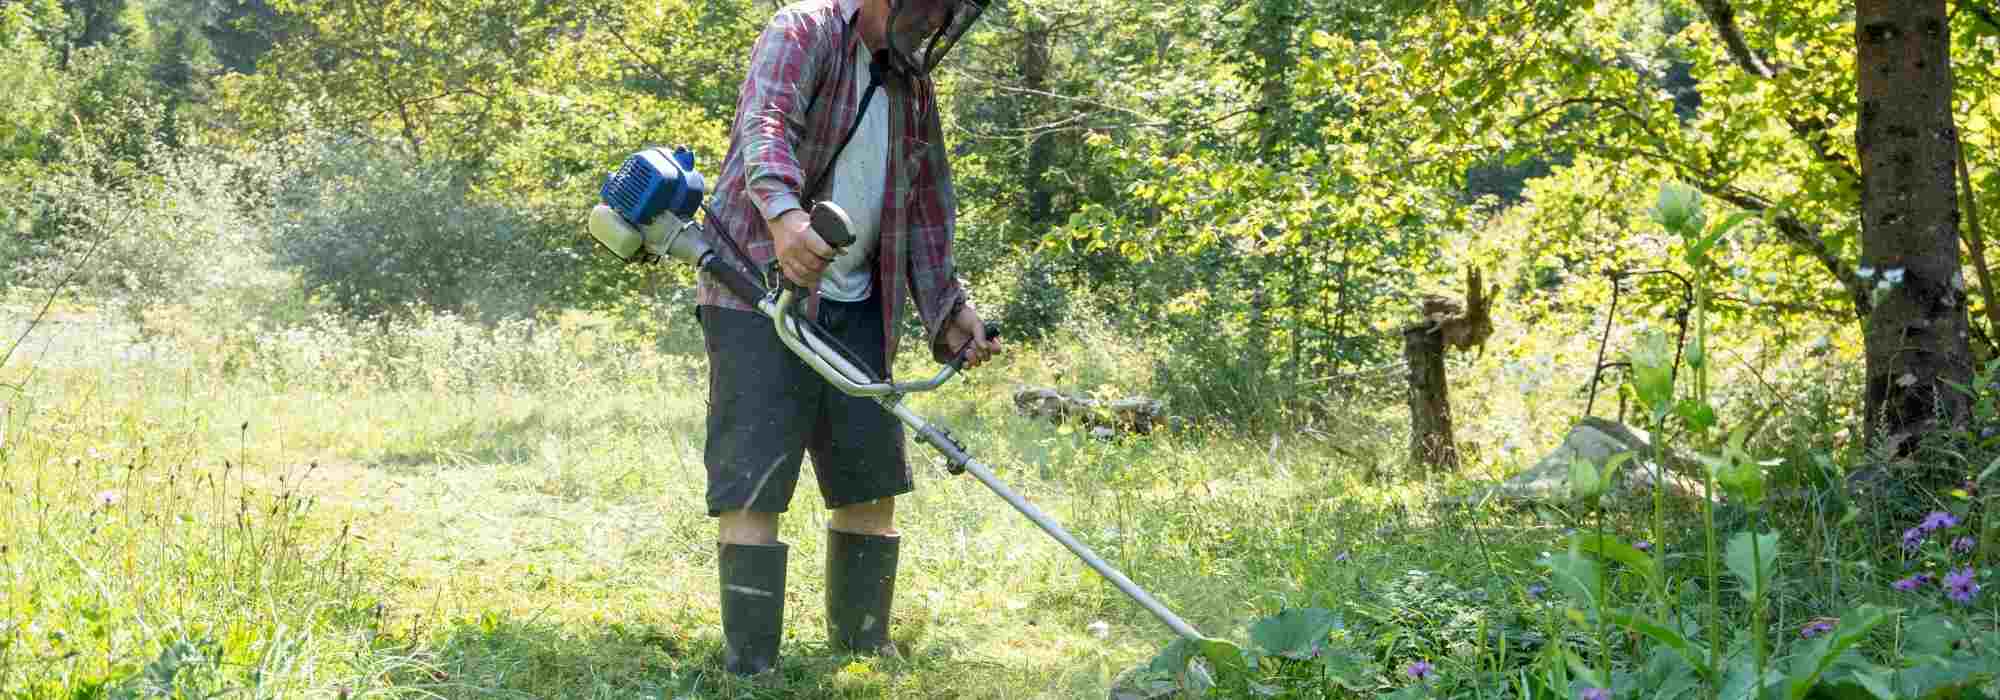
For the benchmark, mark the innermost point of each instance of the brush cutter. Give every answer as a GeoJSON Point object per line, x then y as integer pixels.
{"type": "Point", "coordinates": [647, 214]}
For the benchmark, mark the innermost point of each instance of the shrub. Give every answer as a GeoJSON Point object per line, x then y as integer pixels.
{"type": "Point", "coordinates": [374, 230]}
{"type": "Point", "coordinates": [170, 230]}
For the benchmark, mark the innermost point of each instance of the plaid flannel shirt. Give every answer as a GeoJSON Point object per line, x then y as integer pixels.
{"type": "Point", "coordinates": [776, 144]}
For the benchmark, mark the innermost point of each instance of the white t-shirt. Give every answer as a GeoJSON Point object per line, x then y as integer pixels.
{"type": "Point", "coordinates": [859, 180]}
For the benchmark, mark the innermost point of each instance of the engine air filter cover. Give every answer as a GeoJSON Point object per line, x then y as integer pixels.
{"type": "Point", "coordinates": [651, 182]}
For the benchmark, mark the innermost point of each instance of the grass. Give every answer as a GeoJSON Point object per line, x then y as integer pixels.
{"type": "Point", "coordinates": [432, 512]}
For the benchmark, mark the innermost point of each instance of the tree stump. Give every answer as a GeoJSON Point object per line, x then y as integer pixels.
{"type": "Point", "coordinates": [1430, 406]}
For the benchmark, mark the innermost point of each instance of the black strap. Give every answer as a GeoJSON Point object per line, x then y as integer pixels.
{"type": "Point", "coordinates": [816, 185]}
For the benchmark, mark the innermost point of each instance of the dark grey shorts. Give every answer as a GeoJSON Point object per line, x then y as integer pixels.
{"type": "Point", "coordinates": [766, 409]}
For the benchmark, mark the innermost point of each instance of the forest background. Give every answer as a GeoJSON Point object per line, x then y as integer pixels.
{"type": "Point", "coordinates": [1234, 206]}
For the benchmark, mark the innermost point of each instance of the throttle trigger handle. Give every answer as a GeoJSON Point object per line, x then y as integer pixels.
{"type": "Point", "coordinates": [992, 331]}
{"type": "Point", "coordinates": [832, 224]}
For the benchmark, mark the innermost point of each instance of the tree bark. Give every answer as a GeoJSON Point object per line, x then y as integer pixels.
{"type": "Point", "coordinates": [1431, 443]}
{"type": "Point", "coordinates": [1917, 329]}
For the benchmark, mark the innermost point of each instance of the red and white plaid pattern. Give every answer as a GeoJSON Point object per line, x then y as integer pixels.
{"type": "Point", "coordinates": [776, 144]}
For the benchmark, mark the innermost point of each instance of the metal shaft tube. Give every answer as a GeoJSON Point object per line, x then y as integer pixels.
{"type": "Point", "coordinates": [957, 456]}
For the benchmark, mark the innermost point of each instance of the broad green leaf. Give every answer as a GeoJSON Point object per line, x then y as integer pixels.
{"type": "Point", "coordinates": [1930, 636]}
{"type": "Point", "coordinates": [1294, 633]}
{"type": "Point", "coordinates": [1585, 482]}
{"type": "Point", "coordinates": [1752, 563]}
{"type": "Point", "coordinates": [1941, 679]}
{"type": "Point", "coordinates": [1348, 669]}
{"type": "Point", "coordinates": [1679, 209]}
{"type": "Point", "coordinates": [1667, 676]}
{"type": "Point", "coordinates": [1577, 576]}
{"type": "Point", "coordinates": [1172, 661]}
{"type": "Point", "coordinates": [1821, 653]}
{"type": "Point", "coordinates": [1698, 415]}
{"type": "Point", "coordinates": [1694, 654]}
{"type": "Point", "coordinates": [1224, 657]}
{"type": "Point", "coordinates": [1874, 685]}
{"type": "Point", "coordinates": [1740, 679]}
{"type": "Point", "coordinates": [1612, 548]}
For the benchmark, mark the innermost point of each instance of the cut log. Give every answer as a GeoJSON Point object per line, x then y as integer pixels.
{"type": "Point", "coordinates": [1135, 415]}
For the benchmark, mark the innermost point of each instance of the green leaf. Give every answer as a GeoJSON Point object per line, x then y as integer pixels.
{"type": "Point", "coordinates": [1941, 680]}
{"type": "Point", "coordinates": [1732, 221]}
{"type": "Point", "coordinates": [1930, 636]}
{"type": "Point", "coordinates": [1694, 654]}
{"type": "Point", "coordinates": [1668, 676]}
{"type": "Point", "coordinates": [1679, 209]}
{"type": "Point", "coordinates": [1348, 669]}
{"type": "Point", "coordinates": [1608, 547]}
{"type": "Point", "coordinates": [1853, 628]}
{"type": "Point", "coordinates": [1741, 681]}
{"type": "Point", "coordinates": [1585, 483]}
{"type": "Point", "coordinates": [1294, 633]}
{"type": "Point", "coordinates": [1577, 576]}
{"type": "Point", "coordinates": [1752, 564]}
{"type": "Point", "coordinates": [1653, 371]}
{"type": "Point", "coordinates": [1860, 686]}
{"type": "Point", "coordinates": [1172, 661]}
{"type": "Point", "coordinates": [1224, 657]}
{"type": "Point", "coordinates": [1698, 415]}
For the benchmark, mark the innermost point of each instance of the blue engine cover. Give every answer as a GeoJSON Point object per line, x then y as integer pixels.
{"type": "Point", "coordinates": [651, 182]}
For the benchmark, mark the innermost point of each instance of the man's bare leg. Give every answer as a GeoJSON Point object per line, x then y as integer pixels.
{"type": "Point", "coordinates": [877, 517]}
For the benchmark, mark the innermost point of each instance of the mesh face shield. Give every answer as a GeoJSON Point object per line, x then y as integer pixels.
{"type": "Point", "coordinates": [921, 32]}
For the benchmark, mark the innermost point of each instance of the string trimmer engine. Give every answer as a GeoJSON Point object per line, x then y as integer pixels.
{"type": "Point", "coordinates": [649, 207]}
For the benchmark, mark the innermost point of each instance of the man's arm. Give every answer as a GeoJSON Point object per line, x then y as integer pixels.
{"type": "Point", "coordinates": [771, 110]}
{"type": "Point", "coordinates": [938, 292]}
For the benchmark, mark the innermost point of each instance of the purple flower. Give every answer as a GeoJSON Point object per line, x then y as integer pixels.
{"type": "Point", "coordinates": [1593, 694]}
{"type": "Point", "coordinates": [1913, 538]}
{"type": "Point", "coordinates": [1963, 545]}
{"type": "Point", "coordinates": [1642, 546]}
{"type": "Point", "coordinates": [1420, 670]}
{"type": "Point", "coordinates": [1340, 557]}
{"type": "Point", "coordinates": [1817, 627]}
{"type": "Point", "coordinates": [1938, 520]}
{"type": "Point", "coordinates": [1961, 586]}
{"type": "Point", "coordinates": [1535, 591]}
{"type": "Point", "coordinates": [1908, 584]}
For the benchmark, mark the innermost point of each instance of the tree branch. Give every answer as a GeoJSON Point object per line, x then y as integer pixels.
{"type": "Point", "coordinates": [1723, 17]}
{"type": "Point", "coordinates": [1800, 234]}
{"type": "Point", "coordinates": [1975, 240]}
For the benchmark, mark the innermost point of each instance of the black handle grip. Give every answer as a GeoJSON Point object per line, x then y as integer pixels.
{"type": "Point", "coordinates": [832, 225]}
{"type": "Point", "coordinates": [830, 222]}
{"type": "Point", "coordinates": [992, 333]}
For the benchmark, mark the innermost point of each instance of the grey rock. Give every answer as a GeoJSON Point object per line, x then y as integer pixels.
{"type": "Point", "coordinates": [1595, 440]}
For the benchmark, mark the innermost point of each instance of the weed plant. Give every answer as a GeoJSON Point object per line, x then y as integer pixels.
{"type": "Point", "coordinates": [1660, 615]}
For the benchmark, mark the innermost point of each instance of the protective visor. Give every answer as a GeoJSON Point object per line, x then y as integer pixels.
{"type": "Point", "coordinates": [921, 32]}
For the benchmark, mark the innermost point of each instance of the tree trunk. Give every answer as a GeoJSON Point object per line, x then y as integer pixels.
{"type": "Point", "coordinates": [1271, 43]}
{"type": "Point", "coordinates": [1035, 50]}
{"type": "Point", "coordinates": [1431, 443]}
{"type": "Point", "coordinates": [1916, 335]}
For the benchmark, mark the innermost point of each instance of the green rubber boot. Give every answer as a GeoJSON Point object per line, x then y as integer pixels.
{"type": "Point", "coordinates": [753, 605]}
{"type": "Point", "coordinates": [860, 591]}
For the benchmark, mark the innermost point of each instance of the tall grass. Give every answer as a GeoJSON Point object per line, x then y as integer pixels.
{"type": "Point", "coordinates": [437, 508]}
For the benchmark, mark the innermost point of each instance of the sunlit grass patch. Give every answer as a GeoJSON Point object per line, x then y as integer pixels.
{"type": "Point", "coordinates": [493, 531]}
{"type": "Point", "coordinates": [140, 556]}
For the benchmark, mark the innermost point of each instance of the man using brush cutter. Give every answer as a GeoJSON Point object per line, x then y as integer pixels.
{"type": "Point", "coordinates": [838, 106]}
